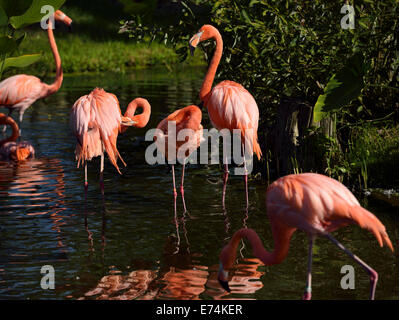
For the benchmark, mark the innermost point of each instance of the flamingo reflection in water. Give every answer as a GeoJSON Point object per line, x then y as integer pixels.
{"type": "Point", "coordinates": [191, 282]}
{"type": "Point", "coordinates": [182, 277]}
{"type": "Point", "coordinates": [38, 186]}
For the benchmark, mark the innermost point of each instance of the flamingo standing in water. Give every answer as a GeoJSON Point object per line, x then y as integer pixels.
{"type": "Point", "coordinates": [10, 149]}
{"type": "Point", "coordinates": [96, 120]}
{"type": "Point", "coordinates": [19, 92]}
{"type": "Point", "coordinates": [189, 120]}
{"type": "Point", "coordinates": [230, 105]}
{"type": "Point", "coordinates": [315, 204]}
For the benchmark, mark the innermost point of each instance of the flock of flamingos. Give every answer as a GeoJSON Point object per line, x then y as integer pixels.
{"type": "Point", "coordinates": [310, 202]}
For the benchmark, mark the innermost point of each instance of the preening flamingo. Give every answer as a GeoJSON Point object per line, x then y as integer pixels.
{"type": "Point", "coordinates": [230, 105]}
{"type": "Point", "coordinates": [19, 92]}
{"type": "Point", "coordinates": [96, 120]}
{"type": "Point", "coordinates": [10, 149]}
{"type": "Point", "coordinates": [183, 143]}
{"type": "Point", "coordinates": [315, 204]}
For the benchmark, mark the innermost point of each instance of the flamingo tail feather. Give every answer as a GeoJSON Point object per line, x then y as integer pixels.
{"type": "Point", "coordinates": [367, 220]}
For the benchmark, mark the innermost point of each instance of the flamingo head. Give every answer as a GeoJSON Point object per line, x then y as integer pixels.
{"type": "Point", "coordinates": [226, 258]}
{"type": "Point", "coordinates": [139, 120]}
{"type": "Point", "coordinates": [60, 16]}
{"type": "Point", "coordinates": [127, 121]}
{"type": "Point", "coordinates": [194, 41]}
{"type": "Point", "coordinates": [223, 277]}
{"type": "Point", "coordinates": [206, 32]}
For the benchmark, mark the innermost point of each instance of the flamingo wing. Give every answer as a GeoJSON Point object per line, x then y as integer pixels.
{"type": "Point", "coordinates": [20, 91]}
{"type": "Point", "coordinates": [17, 151]}
{"type": "Point", "coordinates": [95, 120]}
{"type": "Point", "coordinates": [231, 106]}
{"type": "Point", "coordinates": [186, 118]}
{"type": "Point", "coordinates": [318, 204]}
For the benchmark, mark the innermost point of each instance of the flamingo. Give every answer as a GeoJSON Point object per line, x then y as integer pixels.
{"type": "Point", "coordinates": [19, 92]}
{"type": "Point", "coordinates": [96, 120]}
{"type": "Point", "coordinates": [188, 118]}
{"type": "Point", "coordinates": [10, 149]}
{"type": "Point", "coordinates": [315, 204]}
{"type": "Point", "coordinates": [230, 106]}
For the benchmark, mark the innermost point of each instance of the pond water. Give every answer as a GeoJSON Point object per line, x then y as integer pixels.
{"type": "Point", "coordinates": [129, 246]}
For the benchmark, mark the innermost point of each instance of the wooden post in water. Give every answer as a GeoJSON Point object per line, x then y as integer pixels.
{"type": "Point", "coordinates": [294, 116]}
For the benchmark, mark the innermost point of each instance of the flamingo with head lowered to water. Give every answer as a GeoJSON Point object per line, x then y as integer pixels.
{"type": "Point", "coordinates": [315, 204]}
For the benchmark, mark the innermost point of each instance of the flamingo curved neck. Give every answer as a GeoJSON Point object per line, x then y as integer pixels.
{"type": "Point", "coordinates": [210, 75]}
{"type": "Point", "coordinates": [279, 253]}
{"type": "Point", "coordinates": [54, 87]}
{"type": "Point", "coordinates": [15, 130]}
{"type": "Point", "coordinates": [142, 118]}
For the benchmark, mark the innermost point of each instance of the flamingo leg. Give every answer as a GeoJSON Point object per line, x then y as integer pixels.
{"type": "Point", "coordinates": [182, 187]}
{"type": "Point", "coordinates": [21, 116]}
{"type": "Point", "coordinates": [246, 181]}
{"type": "Point", "coordinates": [373, 274]}
{"type": "Point", "coordinates": [101, 174]}
{"type": "Point", "coordinates": [86, 183]}
{"type": "Point", "coordinates": [174, 188]}
{"type": "Point", "coordinates": [225, 178]}
{"type": "Point", "coordinates": [308, 290]}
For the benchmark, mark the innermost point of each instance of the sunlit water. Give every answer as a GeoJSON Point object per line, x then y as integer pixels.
{"type": "Point", "coordinates": [130, 246]}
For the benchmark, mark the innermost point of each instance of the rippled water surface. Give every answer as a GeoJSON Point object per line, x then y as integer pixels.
{"type": "Point", "coordinates": [129, 246]}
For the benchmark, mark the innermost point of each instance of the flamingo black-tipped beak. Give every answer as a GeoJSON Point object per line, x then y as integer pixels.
{"type": "Point", "coordinates": [201, 105]}
{"type": "Point", "coordinates": [222, 278]}
{"type": "Point", "coordinates": [225, 285]}
{"type": "Point", "coordinates": [70, 29]}
{"type": "Point", "coordinates": [192, 49]}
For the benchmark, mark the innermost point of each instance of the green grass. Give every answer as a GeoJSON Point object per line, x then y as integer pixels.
{"type": "Point", "coordinates": [82, 54]}
{"type": "Point", "coordinates": [370, 157]}
{"type": "Point", "coordinates": [95, 45]}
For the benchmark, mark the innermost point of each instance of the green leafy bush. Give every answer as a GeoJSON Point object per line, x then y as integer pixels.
{"type": "Point", "coordinates": [15, 15]}
{"type": "Point", "coordinates": [289, 48]}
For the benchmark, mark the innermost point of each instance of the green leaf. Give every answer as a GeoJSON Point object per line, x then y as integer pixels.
{"type": "Point", "coordinates": [15, 7]}
{"type": "Point", "coordinates": [20, 39]}
{"type": "Point", "coordinates": [342, 88]}
{"type": "Point", "coordinates": [33, 14]}
{"type": "Point", "coordinates": [21, 61]}
{"type": "Point", "coordinates": [3, 17]}
{"type": "Point", "coordinates": [245, 15]}
{"type": "Point", "coordinates": [7, 45]}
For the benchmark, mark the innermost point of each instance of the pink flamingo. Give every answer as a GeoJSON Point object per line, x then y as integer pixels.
{"type": "Point", "coordinates": [188, 118]}
{"type": "Point", "coordinates": [230, 105]}
{"type": "Point", "coordinates": [19, 92]}
{"type": "Point", "coordinates": [96, 120]}
{"type": "Point", "coordinates": [10, 149]}
{"type": "Point", "coordinates": [315, 204]}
